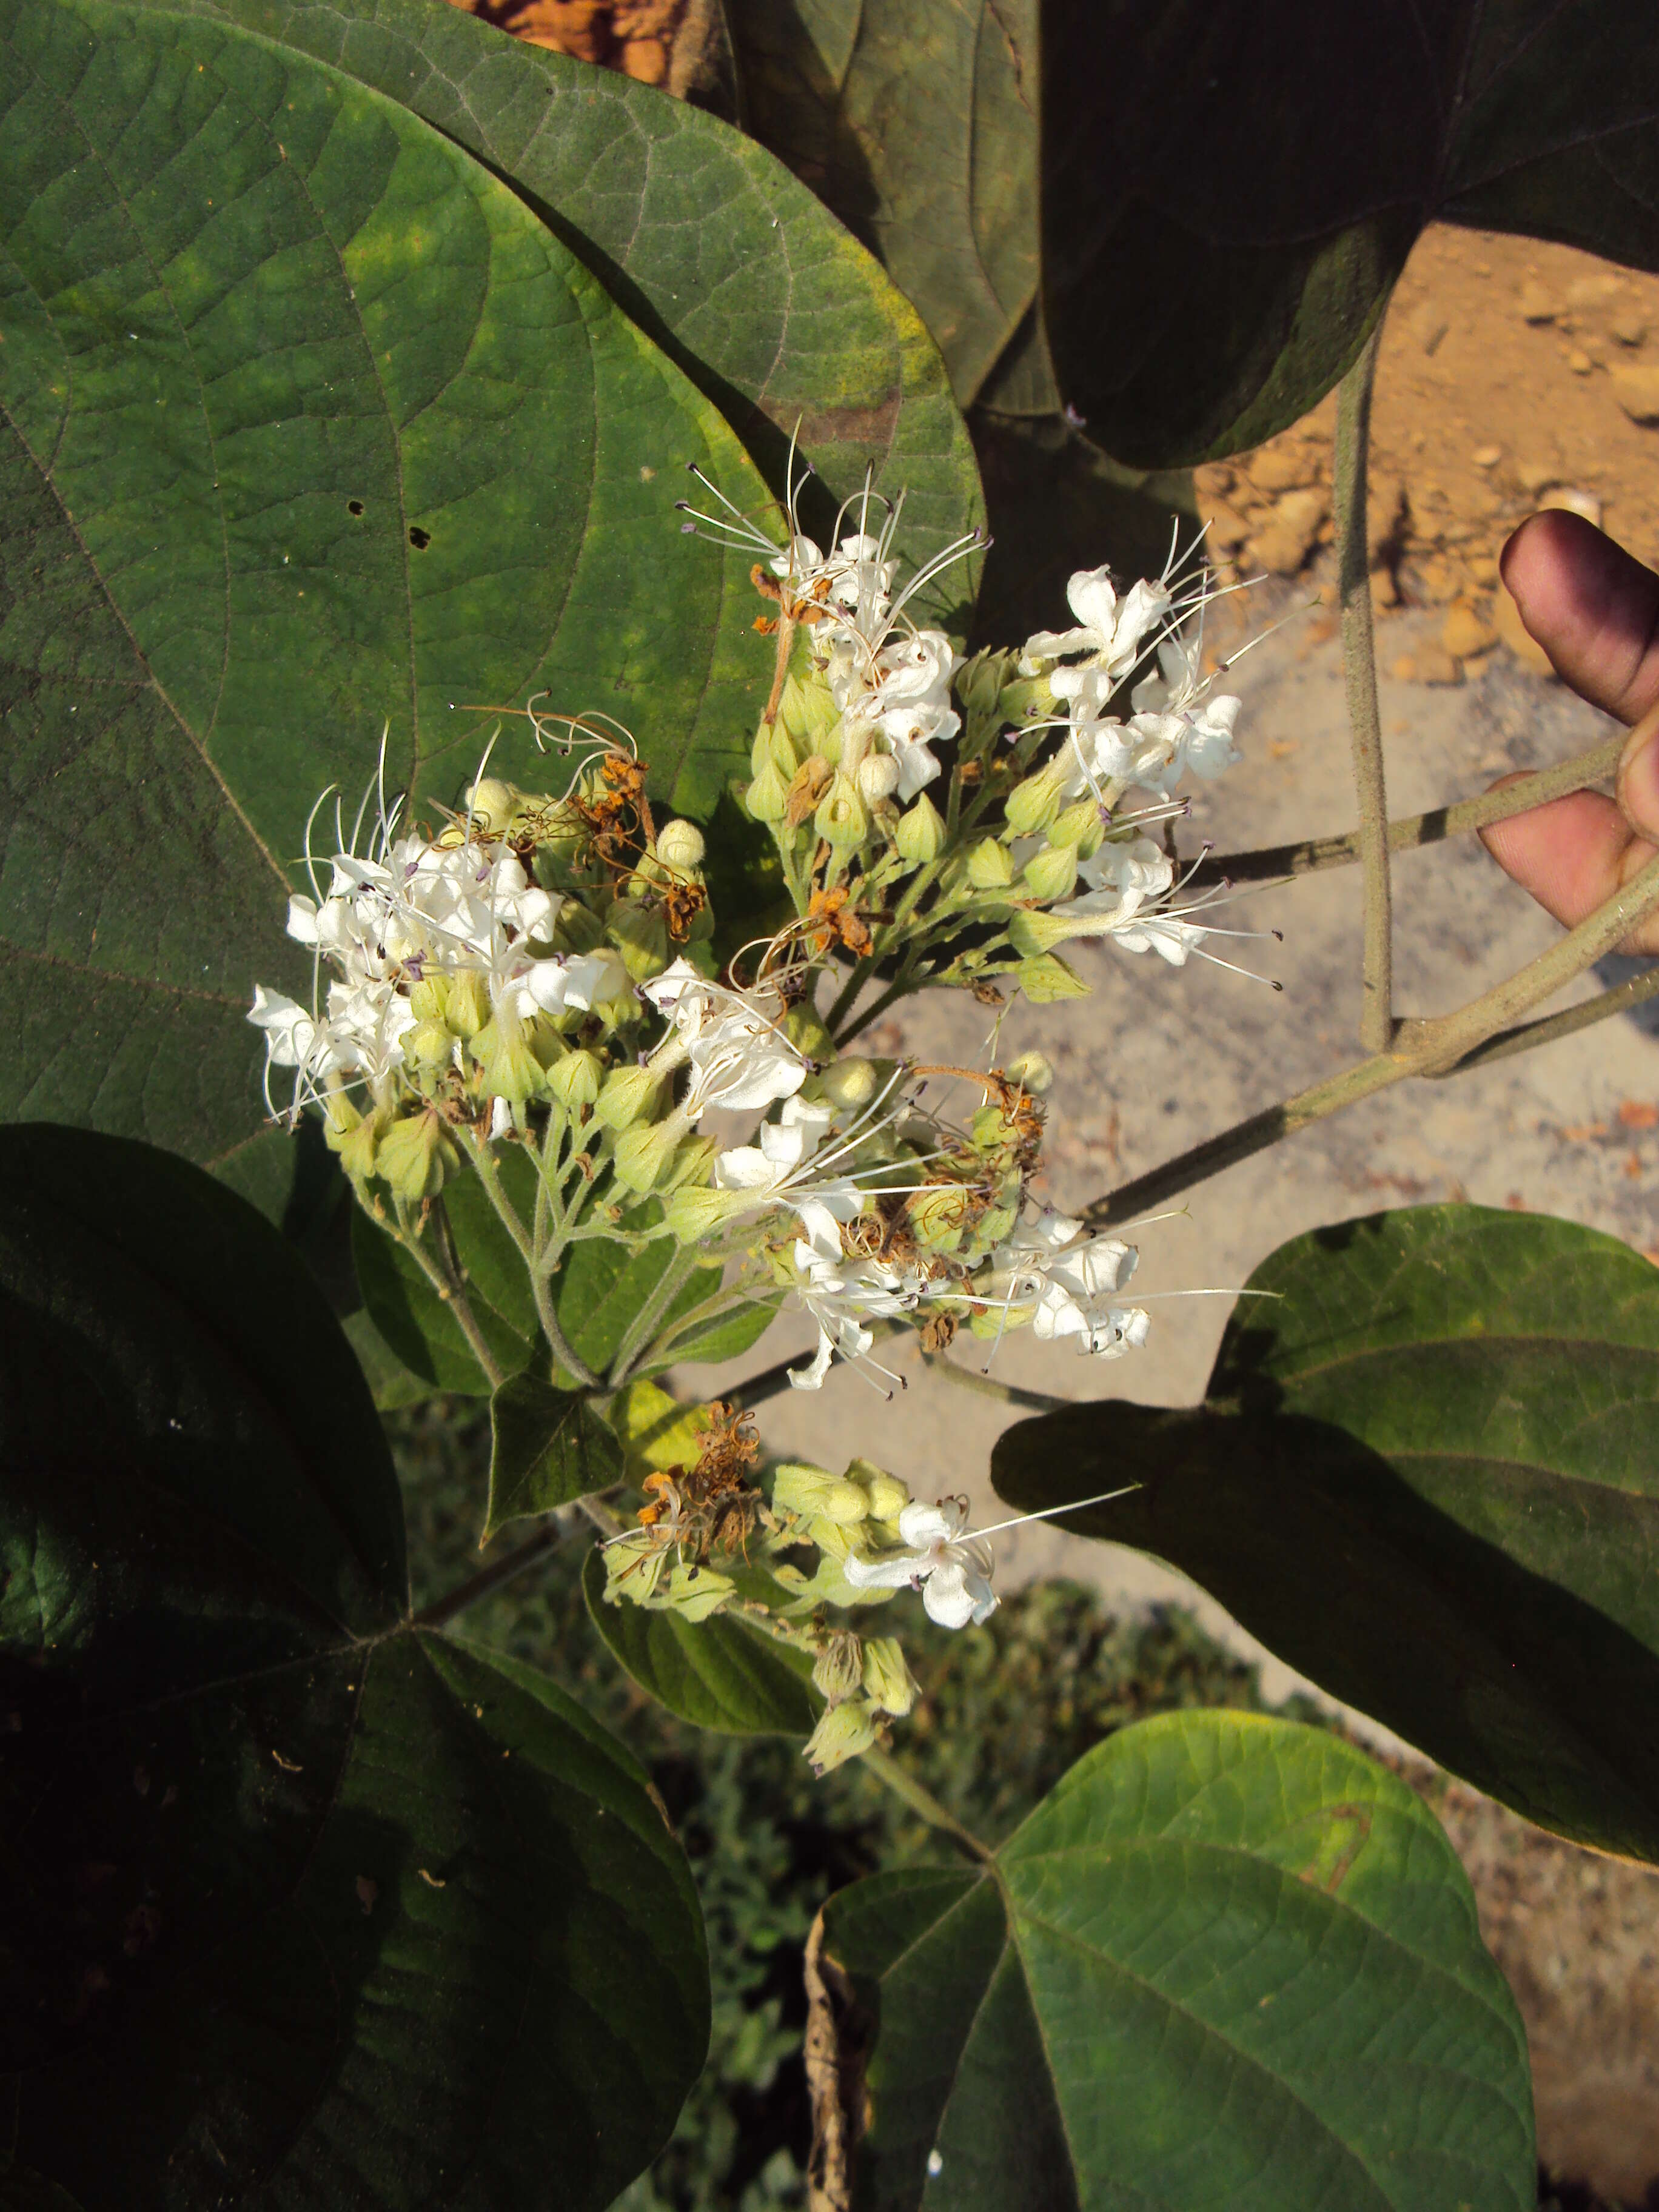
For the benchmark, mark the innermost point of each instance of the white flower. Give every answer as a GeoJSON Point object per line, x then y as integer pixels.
{"type": "Point", "coordinates": [1070, 1277]}
{"type": "Point", "coordinates": [840, 1292]}
{"type": "Point", "coordinates": [949, 1565]}
{"type": "Point", "coordinates": [289, 1029]}
{"type": "Point", "coordinates": [786, 1145]}
{"type": "Point", "coordinates": [1112, 631]}
{"type": "Point", "coordinates": [740, 1058]}
{"type": "Point", "coordinates": [1184, 728]}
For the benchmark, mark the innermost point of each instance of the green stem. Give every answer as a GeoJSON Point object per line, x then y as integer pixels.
{"type": "Point", "coordinates": [901, 988]}
{"type": "Point", "coordinates": [1620, 1001]}
{"type": "Point", "coordinates": [1445, 1047]}
{"type": "Point", "coordinates": [546, 1312]}
{"type": "Point", "coordinates": [483, 1159]}
{"type": "Point", "coordinates": [1313, 854]}
{"type": "Point", "coordinates": [904, 1785]}
{"type": "Point", "coordinates": [1006, 1394]}
{"type": "Point", "coordinates": [445, 1280]}
{"type": "Point", "coordinates": [1353, 411]}
{"type": "Point", "coordinates": [637, 1337]}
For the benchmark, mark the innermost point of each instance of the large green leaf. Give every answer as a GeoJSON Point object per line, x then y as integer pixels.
{"type": "Point", "coordinates": [314, 430]}
{"type": "Point", "coordinates": [717, 1673]}
{"type": "Point", "coordinates": [916, 120]}
{"type": "Point", "coordinates": [1427, 1475]}
{"type": "Point", "coordinates": [302, 1905]}
{"type": "Point", "coordinates": [1197, 306]}
{"type": "Point", "coordinates": [734, 268]}
{"type": "Point", "coordinates": [1194, 303]}
{"type": "Point", "coordinates": [1228, 1960]}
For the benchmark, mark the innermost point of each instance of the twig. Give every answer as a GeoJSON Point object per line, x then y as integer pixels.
{"type": "Point", "coordinates": [1620, 1001]}
{"type": "Point", "coordinates": [1312, 854]}
{"type": "Point", "coordinates": [1445, 1047]}
{"type": "Point", "coordinates": [1007, 1393]}
{"type": "Point", "coordinates": [445, 1280]}
{"type": "Point", "coordinates": [1353, 420]}
{"type": "Point", "coordinates": [445, 1609]}
{"type": "Point", "coordinates": [904, 1784]}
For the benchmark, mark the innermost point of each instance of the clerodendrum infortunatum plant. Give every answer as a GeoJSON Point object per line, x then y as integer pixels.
{"type": "Point", "coordinates": [534, 974]}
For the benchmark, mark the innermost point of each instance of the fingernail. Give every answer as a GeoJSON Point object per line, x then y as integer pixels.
{"type": "Point", "coordinates": [1638, 782]}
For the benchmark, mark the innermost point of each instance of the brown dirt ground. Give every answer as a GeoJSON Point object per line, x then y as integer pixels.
{"type": "Point", "coordinates": [1513, 375]}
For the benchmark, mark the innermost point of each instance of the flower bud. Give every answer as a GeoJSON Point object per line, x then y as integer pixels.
{"type": "Point", "coordinates": [414, 1156]}
{"type": "Point", "coordinates": [815, 1493]}
{"type": "Point", "coordinates": [843, 819]}
{"type": "Point", "coordinates": [887, 1495]}
{"type": "Point", "coordinates": [640, 933]}
{"type": "Point", "coordinates": [492, 805]}
{"type": "Point", "coordinates": [804, 1027]}
{"type": "Point", "coordinates": [692, 1591]}
{"type": "Point", "coordinates": [888, 1682]}
{"type": "Point", "coordinates": [1047, 977]}
{"type": "Point", "coordinates": [693, 1163]}
{"type": "Point", "coordinates": [808, 713]}
{"type": "Point", "coordinates": [696, 1211]}
{"type": "Point", "coordinates": [645, 1155]}
{"type": "Point", "coordinates": [1032, 805]}
{"type": "Point", "coordinates": [469, 1003]}
{"type": "Point", "coordinates": [877, 777]}
{"type": "Point", "coordinates": [1033, 1072]}
{"type": "Point", "coordinates": [1080, 825]}
{"type": "Point", "coordinates": [919, 835]}
{"type": "Point", "coordinates": [850, 1083]}
{"type": "Point", "coordinates": [428, 1001]}
{"type": "Point", "coordinates": [838, 1670]}
{"type": "Point", "coordinates": [989, 868]}
{"type": "Point", "coordinates": [1029, 934]}
{"type": "Point", "coordinates": [767, 798]}
{"type": "Point", "coordinates": [629, 1095]}
{"type": "Point", "coordinates": [1051, 874]}
{"type": "Point", "coordinates": [845, 1732]}
{"type": "Point", "coordinates": [575, 1080]}
{"type": "Point", "coordinates": [429, 1044]}
{"type": "Point", "coordinates": [681, 846]}
{"type": "Point", "coordinates": [506, 1061]}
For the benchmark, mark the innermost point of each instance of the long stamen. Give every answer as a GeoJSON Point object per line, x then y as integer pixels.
{"type": "Point", "coordinates": [1047, 1513]}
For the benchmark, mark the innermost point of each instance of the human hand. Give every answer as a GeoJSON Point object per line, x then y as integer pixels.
{"type": "Point", "coordinates": [1595, 609]}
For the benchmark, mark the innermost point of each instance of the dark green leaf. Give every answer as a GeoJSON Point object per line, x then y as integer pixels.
{"type": "Point", "coordinates": [1195, 306]}
{"type": "Point", "coordinates": [1228, 1960]}
{"type": "Point", "coordinates": [299, 1902]}
{"type": "Point", "coordinates": [1427, 1475]}
{"type": "Point", "coordinates": [313, 431]}
{"type": "Point", "coordinates": [716, 1674]}
{"type": "Point", "coordinates": [547, 1448]}
{"type": "Point", "coordinates": [416, 1325]}
{"type": "Point", "coordinates": [729, 264]}
{"type": "Point", "coordinates": [23, 2191]}
{"type": "Point", "coordinates": [916, 121]}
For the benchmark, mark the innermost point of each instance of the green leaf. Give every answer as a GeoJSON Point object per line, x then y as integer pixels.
{"type": "Point", "coordinates": [716, 1674]}
{"type": "Point", "coordinates": [417, 1325]}
{"type": "Point", "coordinates": [314, 431]}
{"type": "Point", "coordinates": [916, 121]}
{"type": "Point", "coordinates": [1228, 1960]}
{"type": "Point", "coordinates": [734, 268]}
{"type": "Point", "coordinates": [547, 1448]}
{"type": "Point", "coordinates": [23, 2191]}
{"type": "Point", "coordinates": [300, 1901]}
{"type": "Point", "coordinates": [1426, 1475]}
{"type": "Point", "coordinates": [1196, 308]}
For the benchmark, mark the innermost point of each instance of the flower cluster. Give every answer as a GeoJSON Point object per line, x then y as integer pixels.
{"type": "Point", "coordinates": [527, 987]}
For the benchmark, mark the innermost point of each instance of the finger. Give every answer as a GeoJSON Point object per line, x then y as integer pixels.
{"type": "Point", "coordinates": [1573, 856]}
{"type": "Point", "coordinates": [1592, 606]}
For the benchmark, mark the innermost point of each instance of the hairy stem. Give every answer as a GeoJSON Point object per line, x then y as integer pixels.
{"type": "Point", "coordinates": [1353, 419]}
{"type": "Point", "coordinates": [1620, 1001]}
{"type": "Point", "coordinates": [540, 1283]}
{"type": "Point", "coordinates": [637, 1337]}
{"type": "Point", "coordinates": [1007, 1393]}
{"type": "Point", "coordinates": [445, 1276]}
{"type": "Point", "coordinates": [490, 1177]}
{"type": "Point", "coordinates": [1445, 1047]}
{"type": "Point", "coordinates": [904, 1785]}
{"type": "Point", "coordinates": [488, 1579]}
{"type": "Point", "coordinates": [1270, 862]}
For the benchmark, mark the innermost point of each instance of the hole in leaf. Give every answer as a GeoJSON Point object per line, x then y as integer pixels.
{"type": "Point", "coordinates": [354, 506]}
{"type": "Point", "coordinates": [419, 538]}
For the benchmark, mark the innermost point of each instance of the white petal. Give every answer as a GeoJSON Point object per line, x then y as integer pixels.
{"type": "Point", "coordinates": [811, 1378]}
{"type": "Point", "coordinates": [302, 920]}
{"type": "Point", "coordinates": [947, 1597]}
{"type": "Point", "coordinates": [896, 1571]}
{"type": "Point", "coordinates": [922, 1525]}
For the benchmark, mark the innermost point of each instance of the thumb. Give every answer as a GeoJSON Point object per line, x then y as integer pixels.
{"type": "Point", "coordinates": [1638, 779]}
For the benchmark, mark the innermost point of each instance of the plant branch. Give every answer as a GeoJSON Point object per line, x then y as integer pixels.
{"type": "Point", "coordinates": [488, 1579]}
{"type": "Point", "coordinates": [1354, 421]}
{"type": "Point", "coordinates": [1443, 1046]}
{"type": "Point", "coordinates": [1008, 1394]}
{"type": "Point", "coordinates": [1620, 1001]}
{"type": "Point", "coordinates": [445, 1280]}
{"type": "Point", "coordinates": [904, 1784]}
{"type": "Point", "coordinates": [547, 1313]}
{"type": "Point", "coordinates": [637, 1337]}
{"type": "Point", "coordinates": [1271, 862]}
